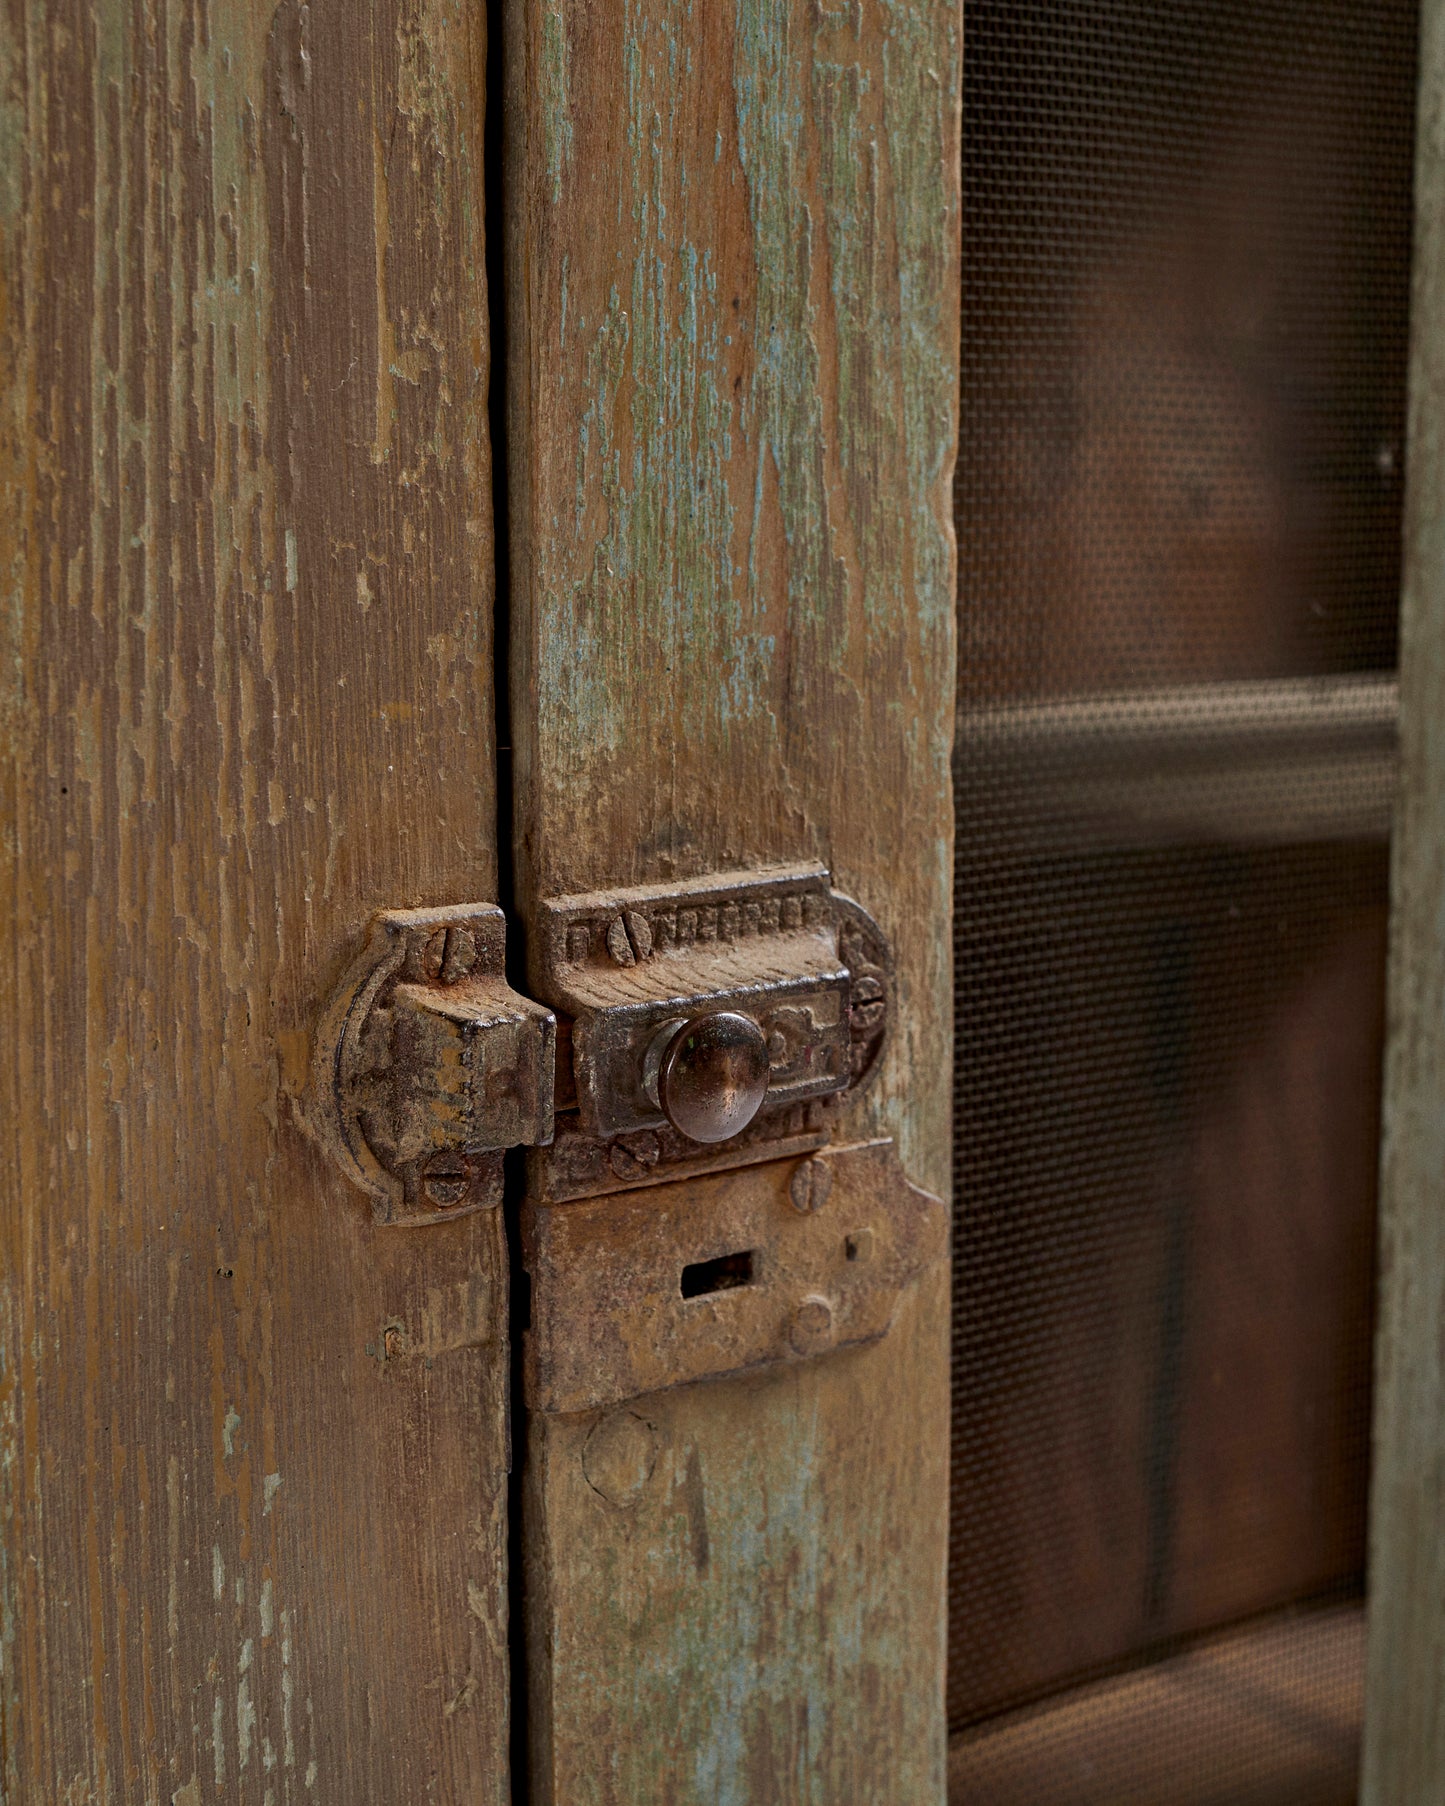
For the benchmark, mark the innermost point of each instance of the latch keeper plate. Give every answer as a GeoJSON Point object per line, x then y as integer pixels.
{"type": "Point", "coordinates": [810, 1255]}
{"type": "Point", "coordinates": [428, 1064]}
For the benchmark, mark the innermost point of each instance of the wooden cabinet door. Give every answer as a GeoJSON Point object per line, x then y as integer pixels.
{"type": "Point", "coordinates": [254, 1474]}
{"type": "Point", "coordinates": [732, 292]}
{"type": "Point", "coordinates": [255, 1478]}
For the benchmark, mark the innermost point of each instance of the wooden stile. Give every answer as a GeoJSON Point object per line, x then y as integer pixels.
{"type": "Point", "coordinates": [732, 307]}
{"type": "Point", "coordinates": [253, 1485]}
{"type": "Point", "coordinates": [1404, 1757]}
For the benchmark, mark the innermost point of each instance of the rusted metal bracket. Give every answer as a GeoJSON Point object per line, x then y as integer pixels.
{"type": "Point", "coordinates": [428, 1064]}
{"type": "Point", "coordinates": [711, 1276]}
{"type": "Point", "coordinates": [635, 972]}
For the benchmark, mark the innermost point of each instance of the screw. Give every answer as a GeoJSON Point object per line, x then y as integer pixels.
{"type": "Point", "coordinates": [811, 1330]}
{"type": "Point", "coordinates": [632, 1158]}
{"type": "Point", "coordinates": [445, 1180]}
{"type": "Point", "coordinates": [449, 955]}
{"type": "Point", "coordinates": [629, 938]}
{"type": "Point", "coordinates": [810, 1184]}
{"type": "Point", "coordinates": [867, 1004]}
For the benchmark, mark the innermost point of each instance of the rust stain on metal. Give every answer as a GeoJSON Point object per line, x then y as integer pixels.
{"type": "Point", "coordinates": [716, 1275]}
{"type": "Point", "coordinates": [776, 945]}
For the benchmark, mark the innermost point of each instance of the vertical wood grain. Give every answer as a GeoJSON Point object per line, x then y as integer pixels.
{"type": "Point", "coordinates": [1404, 1756]}
{"type": "Point", "coordinates": [733, 307]}
{"type": "Point", "coordinates": [253, 1544]}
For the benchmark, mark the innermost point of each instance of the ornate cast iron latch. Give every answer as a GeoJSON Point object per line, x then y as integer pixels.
{"type": "Point", "coordinates": [712, 1025]}
{"type": "Point", "coordinates": [700, 1029]}
{"type": "Point", "coordinates": [704, 1025]}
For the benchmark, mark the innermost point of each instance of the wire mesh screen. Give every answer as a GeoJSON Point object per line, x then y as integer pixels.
{"type": "Point", "coordinates": [1186, 270]}
{"type": "Point", "coordinates": [1185, 297]}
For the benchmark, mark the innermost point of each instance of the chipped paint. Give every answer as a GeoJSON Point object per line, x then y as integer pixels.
{"type": "Point", "coordinates": [556, 119]}
{"type": "Point", "coordinates": [742, 449]}
{"type": "Point", "coordinates": [660, 571]}
{"type": "Point", "coordinates": [733, 603]}
{"type": "Point", "coordinates": [766, 1656]}
{"type": "Point", "coordinates": [245, 1711]}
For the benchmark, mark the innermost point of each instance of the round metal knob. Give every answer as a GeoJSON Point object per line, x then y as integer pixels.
{"type": "Point", "coordinates": [712, 1075]}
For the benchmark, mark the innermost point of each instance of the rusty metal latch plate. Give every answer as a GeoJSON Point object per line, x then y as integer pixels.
{"type": "Point", "coordinates": [777, 946]}
{"type": "Point", "coordinates": [715, 1275]}
{"type": "Point", "coordinates": [429, 1064]}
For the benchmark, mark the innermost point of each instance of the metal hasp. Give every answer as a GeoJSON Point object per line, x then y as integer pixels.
{"type": "Point", "coordinates": [712, 1023]}
{"type": "Point", "coordinates": [717, 1274]}
{"type": "Point", "coordinates": [428, 1064]}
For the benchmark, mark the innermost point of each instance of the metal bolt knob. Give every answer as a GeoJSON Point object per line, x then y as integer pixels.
{"type": "Point", "coordinates": [708, 1076]}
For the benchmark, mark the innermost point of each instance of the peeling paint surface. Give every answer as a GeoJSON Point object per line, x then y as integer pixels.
{"type": "Point", "coordinates": [736, 437]}
{"type": "Point", "coordinates": [243, 368]}
{"type": "Point", "coordinates": [733, 309]}
{"type": "Point", "coordinates": [752, 1618]}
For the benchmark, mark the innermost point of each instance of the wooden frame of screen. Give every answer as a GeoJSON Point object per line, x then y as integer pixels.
{"type": "Point", "coordinates": [1404, 1750]}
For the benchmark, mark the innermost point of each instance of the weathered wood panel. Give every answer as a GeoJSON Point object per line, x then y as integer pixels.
{"type": "Point", "coordinates": [253, 1542]}
{"type": "Point", "coordinates": [732, 302]}
{"type": "Point", "coordinates": [743, 1612]}
{"type": "Point", "coordinates": [1404, 1760]}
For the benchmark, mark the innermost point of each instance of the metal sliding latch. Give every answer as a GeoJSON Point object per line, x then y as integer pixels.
{"type": "Point", "coordinates": [700, 1029]}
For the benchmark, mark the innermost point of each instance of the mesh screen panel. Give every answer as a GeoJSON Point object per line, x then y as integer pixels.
{"type": "Point", "coordinates": [1186, 267]}
{"type": "Point", "coordinates": [1185, 298]}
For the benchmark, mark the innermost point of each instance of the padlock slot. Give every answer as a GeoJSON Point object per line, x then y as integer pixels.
{"type": "Point", "coordinates": [724, 1274]}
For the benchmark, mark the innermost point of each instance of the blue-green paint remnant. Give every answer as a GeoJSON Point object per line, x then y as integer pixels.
{"type": "Point", "coordinates": [557, 130]}
{"type": "Point", "coordinates": [754, 1623]}
{"type": "Point", "coordinates": [740, 546]}
{"type": "Point", "coordinates": [653, 439]}
{"type": "Point", "coordinates": [734, 643]}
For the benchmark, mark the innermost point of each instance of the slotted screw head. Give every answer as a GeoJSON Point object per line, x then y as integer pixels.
{"type": "Point", "coordinates": [714, 1076]}
{"type": "Point", "coordinates": [811, 1330]}
{"type": "Point", "coordinates": [636, 1156]}
{"type": "Point", "coordinates": [449, 955]}
{"type": "Point", "coordinates": [446, 1179]}
{"type": "Point", "coordinates": [810, 1184]}
{"type": "Point", "coordinates": [629, 938]}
